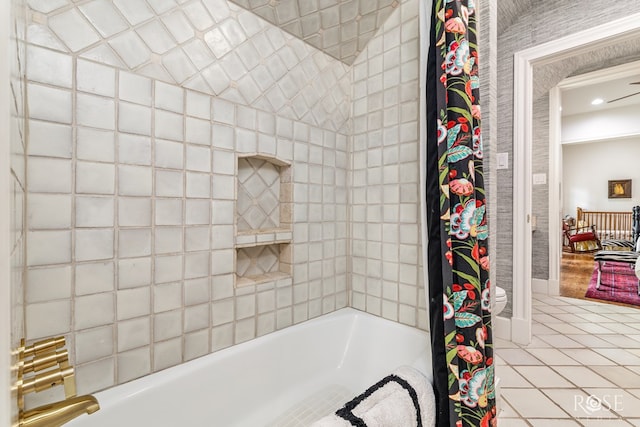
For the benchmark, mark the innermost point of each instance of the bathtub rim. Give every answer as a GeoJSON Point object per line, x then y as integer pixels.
{"type": "Point", "coordinates": [117, 394]}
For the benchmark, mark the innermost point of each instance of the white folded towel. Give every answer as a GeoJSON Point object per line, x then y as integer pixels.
{"type": "Point", "coordinates": [403, 399]}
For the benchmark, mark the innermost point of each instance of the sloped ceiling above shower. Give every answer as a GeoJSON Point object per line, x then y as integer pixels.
{"type": "Point", "coordinates": [340, 28]}
{"type": "Point", "coordinates": [212, 46]}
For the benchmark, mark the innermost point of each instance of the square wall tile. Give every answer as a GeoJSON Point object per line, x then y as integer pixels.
{"type": "Point", "coordinates": [166, 354]}
{"type": "Point", "coordinates": [94, 310]}
{"type": "Point", "coordinates": [167, 325]}
{"type": "Point", "coordinates": [167, 297]}
{"type": "Point", "coordinates": [94, 344]}
{"type": "Point", "coordinates": [169, 154]}
{"type": "Point", "coordinates": [47, 284]}
{"type": "Point", "coordinates": [168, 211]}
{"type": "Point", "coordinates": [52, 105]}
{"type": "Point", "coordinates": [73, 30]}
{"type": "Point", "coordinates": [198, 158]}
{"type": "Point", "coordinates": [196, 239]}
{"type": "Point", "coordinates": [49, 211]}
{"type": "Point", "coordinates": [196, 265]}
{"type": "Point", "coordinates": [134, 212]}
{"type": "Point", "coordinates": [169, 183]}
{"type": "Point", "coordinates": [94, 144]}
{"type": "Point", "coordinates": [94, 278]}
{"type": "Point", "coordinates": [169, 97]}
{"type": "Point", "coordinates": [168, 240]}
{"type": "Point", "coordinates": [47, 319]}
{"type": "Point", "coordinates": [95, 178]}
{"type": "Point", "coordinates": [221, 337]}
{"type": "Point", "coordinates": [94, 376]}
{"type": "Point", "coordinates": [133, 303]}
{"type": "Point", "coordinates": [95, 78]}
{"type": "Point", "coordinates": [133, 273]}
{"type": "Point", "coordinates": [134, 119]}
{"type": "Point", "coordinates": [48, 247]}
{"type": "Point", "coordinates": [134, 88]}
{"type": "Point", "coordinates": [167, 269]}
{"type": "Point", "coordinates": [196, 344]}
{"type": "Point", "coordinates": [47, 66]}
{"type": "Point", "coordinates": [134, 333]}
{"type": "Point", "coordinates": [198, 105]}
{"type": "Point", "coordinates": [134, 242]}
{"type": "Point", "coordinates": [103, 17]}
{"type": "Point", "coordinates": [95, 111]}
{"type": "Point", "coordinates": [222, 312]}
{"type": "Point", "coordinates": [169, 125]}
{"type": "Point", "coordinates": [95, 211]}
{"type": "Point", "coordinates": [134, 149]}
{"type": "Point", "coordinates": [196, 291]}
{"type": "Point", "coordinates": [50, 139]}
{"type": "Point", "coordinates": [197, 212]}
{"type": "Point", "coordinates": [40, 171]}
{"type": "Point", "coordinates": [197, 131]}
{"type": "Point", "coordinates": [198, 185]}
{"type": "Point", "coordinates": [133, 364]}
{"type": "Point", "coordinates": [94, 244]}
{"type": "Point", "coordinates": [134, 12]}
{"type": "Point", "coordinates": [135, 181]}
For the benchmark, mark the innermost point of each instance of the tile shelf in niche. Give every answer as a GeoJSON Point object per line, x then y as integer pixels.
{"type": "Point", "coordinates": [263, 237]}
{"type": "Point", "coordinates": [282, 279]}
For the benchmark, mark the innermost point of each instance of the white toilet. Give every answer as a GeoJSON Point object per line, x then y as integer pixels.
{"type": "Point", "coordinates": [500, 300]}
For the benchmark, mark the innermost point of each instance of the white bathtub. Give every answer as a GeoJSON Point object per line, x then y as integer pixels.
{"type": "Point", "coordinates": [255, 383]}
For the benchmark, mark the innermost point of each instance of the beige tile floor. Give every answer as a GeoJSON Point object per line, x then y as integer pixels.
{"type": "Point", "coordinates": [582, 367]}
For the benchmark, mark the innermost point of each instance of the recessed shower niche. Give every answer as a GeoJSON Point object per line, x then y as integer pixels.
{"type": "Point", "coordinates": [263, 220]}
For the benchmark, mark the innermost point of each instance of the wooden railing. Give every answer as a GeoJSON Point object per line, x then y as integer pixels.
{"type": "Point", "coordinates": [609, 225]}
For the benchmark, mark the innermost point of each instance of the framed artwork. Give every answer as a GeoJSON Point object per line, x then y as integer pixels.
{"type": "Point", "coordinates": [620, 189]}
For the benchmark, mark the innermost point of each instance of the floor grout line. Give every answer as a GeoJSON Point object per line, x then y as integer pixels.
{"type": "Point", "coordinates": [552, 316]}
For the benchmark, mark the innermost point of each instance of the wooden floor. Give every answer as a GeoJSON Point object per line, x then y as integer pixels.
{"type": "Point", "coordinates": [575, 274]}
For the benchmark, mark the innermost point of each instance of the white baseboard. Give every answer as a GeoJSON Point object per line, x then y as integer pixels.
{"type": "Point", "coordinates": [554, 287]}
{"type": "Point", "coordinates": [540, 286]}
{"type": "Point", "coordinates": [502, 327]}
{"type": "Point", "coordinates": [520, 331]}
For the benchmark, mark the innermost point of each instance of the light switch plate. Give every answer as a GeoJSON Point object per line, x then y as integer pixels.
{"type": "Point", "coordinates": [503, 161]}
{"type": "Point", "coordinates": [539, 178]}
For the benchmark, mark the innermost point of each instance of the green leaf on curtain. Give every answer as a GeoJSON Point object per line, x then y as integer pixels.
{"type": "Point", "coordinates": [451, 354]}
{"type": "Point", "coordinates": [472, 263]}
{"type": "Point", "coordinates": [465, 113]}
{"type": "Point", "coordinates": [466, 320]}
{"type": "Point", "coordinates": [463, 95]}
{"type": "Point", "coordinates": [469, 278]}
{"type": "Point", "coordinates": [459, 153]}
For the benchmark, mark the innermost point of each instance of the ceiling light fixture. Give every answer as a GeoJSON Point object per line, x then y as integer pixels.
{"type": "Point", "coordinates": [597, 101]}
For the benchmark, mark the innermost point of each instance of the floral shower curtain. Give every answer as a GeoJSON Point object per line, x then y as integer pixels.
{"type": "Point", "coordinates": [458, 263]}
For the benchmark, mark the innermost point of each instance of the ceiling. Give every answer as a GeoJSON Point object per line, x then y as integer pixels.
{"type": "Point", "coordinates": [340, 28]}
{"type": "Point", "coordinates": [509, 10]}
{"type": "Point", "coordinates": [578, 100]}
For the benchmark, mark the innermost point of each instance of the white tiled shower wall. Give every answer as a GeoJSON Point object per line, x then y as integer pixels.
{"type": "Point", "coordinates": [131, 184]}
{"type": "Point", "coordinates": [385, 194]}
{"type": "Point", "coordinates": [131, 221]}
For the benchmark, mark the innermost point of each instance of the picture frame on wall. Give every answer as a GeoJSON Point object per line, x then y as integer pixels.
{"type": "Point", "coordinates": [620, 189]}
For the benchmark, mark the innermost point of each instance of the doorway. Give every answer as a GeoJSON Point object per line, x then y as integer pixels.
{"type": "Point", "coordinates": [524, 61]}
{"type": "Point", "coordinates": [593, 114]}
